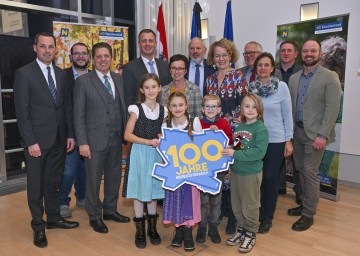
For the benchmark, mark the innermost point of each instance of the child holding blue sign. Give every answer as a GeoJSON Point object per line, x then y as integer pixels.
{"type": "Point", "coordinates": [182, 206]}
{"type": "Point", "coordinates": [251, 139]}
{"type": "Point", "coordinates": [211, 107]}
{"type": "Point", "coordinates": [142, 130]}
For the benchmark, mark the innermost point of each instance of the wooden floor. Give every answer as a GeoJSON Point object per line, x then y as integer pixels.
{"type": "Point", "coordinates": [336, 232]}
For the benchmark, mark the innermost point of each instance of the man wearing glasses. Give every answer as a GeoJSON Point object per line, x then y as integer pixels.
{"type": "Point", "coordinates": [74, 171]}
{"type": "Point", "coordinates": [252, 50]}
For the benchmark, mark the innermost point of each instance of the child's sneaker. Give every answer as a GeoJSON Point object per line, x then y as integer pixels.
{"type": "Point", "coordinates": [237, 238]}
{"type": "Point", "coordinates": [248, 243]}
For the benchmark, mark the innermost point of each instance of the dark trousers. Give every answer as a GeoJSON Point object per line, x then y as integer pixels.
{"type": "Point", "coordinates": [107, 162]}
{"type": "Point", "coordinates": [270, 183]}
{"type": "Point", "coordinates": [43, 182]}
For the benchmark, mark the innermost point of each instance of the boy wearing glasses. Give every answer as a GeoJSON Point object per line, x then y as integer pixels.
{"type": "Point", "coordinates": [211, 107]}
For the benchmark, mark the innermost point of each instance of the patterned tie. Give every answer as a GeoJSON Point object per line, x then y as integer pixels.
{"type": "Point", "coordinates": [108, 86]}
{"type": "Point", "coordinates": [197, 75]}
{"type": "Point", "coordinates": [152, 69]}
{"type": "Point", "coordinates": [51, 83]}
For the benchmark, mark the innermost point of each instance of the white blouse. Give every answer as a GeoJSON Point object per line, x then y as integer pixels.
{"type": "Point", "coordinates": [149, 113]}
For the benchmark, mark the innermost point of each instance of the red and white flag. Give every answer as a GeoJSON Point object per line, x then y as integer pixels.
{"type": "Point", "coordinates": [161, 49]}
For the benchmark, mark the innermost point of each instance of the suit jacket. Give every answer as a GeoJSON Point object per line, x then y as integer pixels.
{"type": "Point", "coordinates": [37, 115]}
{"type": "Point", "coordinates": [276, 74]}
{"type": "Point", "coordinates": [91, 110]}
{"type": "Point", "coordinates": [208, 70]}
{"type": "Point", "coordinates": [132, 74]}
{"type": "Point", "coordinates": [321, 104]}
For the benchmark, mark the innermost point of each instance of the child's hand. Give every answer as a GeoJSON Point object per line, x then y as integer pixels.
{"type": "Point", "coordinates": [228, 152]}
{"type": "Point", "coordinates": [214, 128]}
{"type": "Point", "coordinates": [154, 143]}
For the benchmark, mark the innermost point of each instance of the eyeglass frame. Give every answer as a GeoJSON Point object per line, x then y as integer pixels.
{"type": "Point", "coordinates": [252, 53]}
{"type": "Point", "coordinates": [177, 69]}
{"type": "Point", "coordinates": [211, 107]}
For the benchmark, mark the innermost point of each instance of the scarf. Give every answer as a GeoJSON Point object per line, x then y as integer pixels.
{"type": "Point", "coordinates": [264, 90]}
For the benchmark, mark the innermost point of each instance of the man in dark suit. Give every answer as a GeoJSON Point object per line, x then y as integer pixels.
{"type": "Point", "coordinates": [45, 124]}
{"type": "Point", "coordinates": [315, 94]}
{"type": "Point", "coordinates": [74, 171]}
{"type": "Point", "coordinates": [252, 50]}
{"type": "Point", "coordinates": [100, 118]}
{"type": "Point", "coordinates": [288, 54]}
{"type": "Point", "coordinates": [146, 63]}
{"type": "Point", "coordinates": [198, 69]}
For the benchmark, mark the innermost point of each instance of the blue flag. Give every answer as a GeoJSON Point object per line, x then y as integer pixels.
{"type": "Point", "coordinates": [228, 27]}
{"type": "Point", "coordinates": [196, 22]}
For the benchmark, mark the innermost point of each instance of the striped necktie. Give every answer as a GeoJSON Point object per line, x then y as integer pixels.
{"type": "Point", "coordinates": [51, 84]}
{"type": "Point", "coordinates": [108, 86]}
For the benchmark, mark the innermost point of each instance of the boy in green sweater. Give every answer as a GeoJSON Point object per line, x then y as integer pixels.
{"type": "Point", "coordinates": [251, 139]}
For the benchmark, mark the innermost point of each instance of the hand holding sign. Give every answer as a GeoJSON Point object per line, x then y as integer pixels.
{"type": "Point", "coordinates": [195, 162]}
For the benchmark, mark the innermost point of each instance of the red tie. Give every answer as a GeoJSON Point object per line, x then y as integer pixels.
{"type": "Point", "coordinates": [252, 77]}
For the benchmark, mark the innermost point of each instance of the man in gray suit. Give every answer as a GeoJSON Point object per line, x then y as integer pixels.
{"type": "Point", "coordinates": [252, 50]}
{"type": "Point", "coordinates": [315, 94]}
{"type": "Point", "coordinates": [44, 116]}
{"type": "Point", "coordinates": [146, 63]}
{"type": "Point", "coordinates": [100, 118]}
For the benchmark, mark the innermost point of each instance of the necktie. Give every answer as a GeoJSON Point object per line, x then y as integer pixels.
{"type": "Point", "coordinates": [152, 69]}
{"type": "Point", "coordinates": [51, 83]}
{"type": "Point", "coordinates": [108, 86]}
{"type": "Point", "coordinates": [252, 77]}
{"type": "Point", "coordinates": [197, 75]}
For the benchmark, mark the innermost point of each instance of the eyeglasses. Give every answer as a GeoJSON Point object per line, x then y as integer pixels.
{"type": "Point", "coordinates": [265, 65]}
{"type": "Point", "coordinates": [175, 69]}
{"type": "Point", "coordinates": [218, 56]}
{"type": "Point", "coordinates": [211, 107]}
{"type": "Point", "coordinates": [78, 54]}
{"type": "Point", "coordinates": [252, 54]}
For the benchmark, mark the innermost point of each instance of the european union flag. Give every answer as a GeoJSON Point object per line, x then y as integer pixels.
{"type": "Point", "coordinates": [196, 22]}
{"type": "Point", "coordinates": [228, 27]}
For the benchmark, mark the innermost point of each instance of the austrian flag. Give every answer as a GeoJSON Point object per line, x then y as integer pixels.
{"type": "Point", "coordinates": [161, 50]}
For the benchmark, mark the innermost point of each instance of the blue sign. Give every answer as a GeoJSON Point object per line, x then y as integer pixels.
{"type": "Point", "coordinates": [112, 35]}
{"type": "Point", "coordinates": [195, 162]}
{"type": "Point", "coordinates": [329, 27]}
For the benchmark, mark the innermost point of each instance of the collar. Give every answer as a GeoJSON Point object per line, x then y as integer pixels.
{"type": "Point", "coordinates": [101, 75]}
{"type": "Point", "coordinates": [145, 60]}
{"type": "Point", "coordinates": [210, 122]}
{"type": "Point", "coordinates": [42, 65]}
{"type": "Point", "coordinates": [193, 63]}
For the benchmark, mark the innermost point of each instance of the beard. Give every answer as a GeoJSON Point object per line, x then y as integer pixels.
{"type": "Point", "coordinates": [81, 66]}
{"type": "Point", "coordinates": [312, 63]}
{"type": "Point", "coordinates": [197, 60]}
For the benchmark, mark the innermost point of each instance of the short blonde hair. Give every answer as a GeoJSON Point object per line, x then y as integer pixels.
{"type": "Point", "coordinates": [259, 107]}
{"type": "Point", "coordinates": [228, 46]}
{"type": "Point", "coordinates": [211, 97]}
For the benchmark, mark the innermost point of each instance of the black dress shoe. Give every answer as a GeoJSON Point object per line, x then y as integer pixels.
{"type": "Point", "coordinates": [116, 217]}
{"type": "Point", "coordinates": [295, 211]}
{"type": "Point", "coordinates": [65, 224]}
{"type": "Point", "coordinates": [40, 239]}
{"type": "Point", "coordinates": [303, 223]}
{"type": "Point", "coordinates": [99, 226]}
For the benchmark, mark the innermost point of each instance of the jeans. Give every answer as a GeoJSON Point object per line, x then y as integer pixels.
{"type": "Point", "coordinates": [74, 173]}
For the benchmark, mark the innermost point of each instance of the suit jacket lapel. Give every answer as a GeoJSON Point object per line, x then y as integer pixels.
{"type": "Point", "coordinates": [313, 81]}
{"type": "Point", "coordinates": [99, 86]}
{"type": "Point", "coordinates": [141, 66]}
{"type": "Point", "coordinates": [43, 82]}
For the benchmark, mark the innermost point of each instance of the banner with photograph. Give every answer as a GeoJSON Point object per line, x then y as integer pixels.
{"type": "Point", "coordinates": [332, 33]}
{"type": "Point", "coordinates": [67, 34]}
